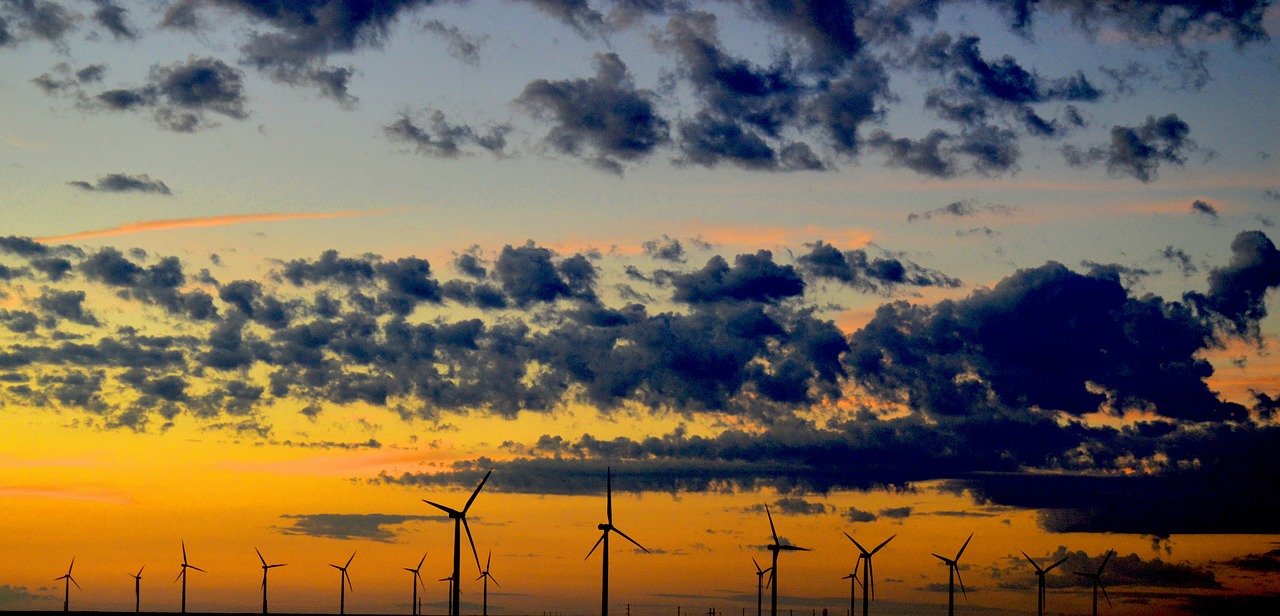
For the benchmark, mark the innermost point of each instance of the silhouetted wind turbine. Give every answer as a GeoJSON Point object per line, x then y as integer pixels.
{"type": "Point", "coordinates": [460, 522]}
{"type": "Point", "coordinates": [868, 572]}
{"type": "Point", "coordinates": [760, 584]}
{"type": "Point", "coordinates": [1040, 573]}
{"type": "Point", "coordinates": [487, 576]}
{"type": "Point", "coordinates": [342, 590]}
{"type": "Point", "coordinates": [776, 547]}
{"type": "Point", "coordinates": [137, 589]}
{"type": "Point", "coordinates": [183, 574]}
{"type": "Point", "coordinates": [265, 567]}
{"type": "Point", "coordinates": [953, 568]}
{"type": "Point", "coordinates": [450, 581]}
{"type": "Point", "coordinates": [604, 538]}
{"type": "Point", "coordinates": [1097, 583]}
{"type": "Point", "coordinates": [417, 579]}
{"type": "Point", "coordinates": [853, 585]}
{"type": "Point", "coordinates": [66, 592]}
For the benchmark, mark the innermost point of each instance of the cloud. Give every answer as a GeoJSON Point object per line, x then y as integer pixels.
{"type": "Point", "coordinates": [208, 221]}
{"type": "Point", "coordinates": [180, 94]}
{"type": "Point", "coordinates": [122, 183]}
{"type": "Point", "coordinates": [856, 515]}
{"type": "Point", "coordinates": [857, 270]}
{"type": "Point", "coordinates": [461, 46]}
{"type": "Point", "coordinates": [1180, 258]}
{"type": "Point", "coordinates": [1138, 151]}
{"type": "Point", "coordinates": [1201, 207]}
{"type": "Point", "coordinates": [443, 139]}
{"type": "Point", "coordinates": [963, 209]}
{"type": "Point", "coordinates": [22, 20]}
{"type": "Point", "coordinates": [1237, 292]}
{"type": "Point", "coordinates": [20, 595]}
{"type": "Point", "coordinates": [751, 278]}
{"type": "Point", "coordinates": [369, 526]}
{"type": "Point", "coordinates": [605, 119]}
{"type": "Point", "coordinates": [896, 513]}
{"type": "Point", "coordinates": [115, 19]}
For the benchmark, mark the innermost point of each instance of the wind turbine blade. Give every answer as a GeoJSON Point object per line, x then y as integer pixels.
{"type": "Point", "coordinates": [279, 565]}
{"type": "Point", "coordinates": [793, 548]}
{"type": "Point", "coordinates": [1104, 593]}
{"type": "Point", "coordinates": [180, 574]}
{"type": "Point", "coordinates": [772, 529]}
{"type": "Point", "coordinates": [494, 580]}
{"type": "Point", "coordinates": [140, 570]}
{"type": "Point", "coordinates": [72, 565]}
{"type": "Point", "coordinates": [608, 495]}
{"type": "Point", "coordinates": [624, 536]}
{"type": "Point", "coordinates": [264, 561]}
{"type": "Point", "coordinates": [335, 566]}
{"type": "Point", "coordinates": [943, 559]}
{"type": "Point", "coordinates": [870, 582]}
{"type": "Point", "coordinates": [488, 560]}
{"type": "Point", "coordinates": [1104, 561]}
{"type": "Point", "coordinates": [347, 576]}
{"type": "Point", "coordinates": [1051, 567]}
{"type": "Point", "coordinates": [447, 510]}
{"type": "Point", "coordinates": [353, 557]}
{"type": "Point", "coordinates": [73, 581]}
{"type": "Point", "coordinates": [961, 580]}
{"type": "Point", "coordinates": [424, 559]}
{"type": "Point", "coordinates": [886, 542]}
{"type": "Point", "coordinates": [417, 576]}
{"type": "Point", "coordinates": [477, 492]}
{"type": "Point", "coordinates": [759, 571]}
{"type": "Point", "coordinates": [593, 548]}
{"type": "Point", "coordinates": [184, 552]}
{"type": "Point", "coordinates": [196, 568]}
{"type": "Point", "coordinates": [855, 542]}
{"type": "Point", "coordinates": [966, 544]}
{"type": "Point", "coordinates": [473, 544]}
{"type": "Point", "coordinates": [1033, 563]}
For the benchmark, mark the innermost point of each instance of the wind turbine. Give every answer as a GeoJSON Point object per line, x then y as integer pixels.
{"type": "Point", "coordinates": [487, 576]}
{"type": "Point", "coordinates": [776, 547]}
{"type": "Point", "coordinates": [66, 592]}
{"type": "Point", "coordinates": [854, 582]}
{"type": "Point", "coordinates": [760, 584]}
{"type": "Point", "coordinates": [137, 589]}
{"type": "Point", "coordinates": [460, 522]}
{"type": "Point", "coordinates": [450, 581]}
{"type": "Point", "coordinates": [1097, 583]}
{"type": "Point", "coordinates": [265, 567]}
{"type": "Point", "coordinates": [604, 538]}
{"type": "Point", "coordinates": [868, 572]}
{"type": "Point", "coordinates": [1040, 573]}
{"type": "Point", "coordinates": [953, 568]}
{"type": "Point", "coordinates": [342, 590]}
{"type": "Point", "coordinates": [183, 574]}
{"type": "Point", "coordinates": [417, 579]}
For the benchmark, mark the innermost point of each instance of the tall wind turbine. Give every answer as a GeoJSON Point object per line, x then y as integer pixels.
{"type": "Point", "coordinates": [417, 580]}
{"type": "Point", "coordinates": [460, 522]}
{"type": "Point", "coordinates": [183, 574]}
{"type": "Point", "coordinates": [1040, 573]}
{"type": "Point", "coordinates": [953, 568]}
{"type": "Point", "coordinates": [487, 576]}
{"type": "Point", "coordinates": [868, 572]}
{"type": "Point", "coordinates": [342, 590]}
{"type": "Point", "coordinates": [137, 589]}
{"type": "Point", "coordinates": [265, 567]}
{"type": "Point", "coordinates": [66, 592]}
{"type": "Point", "coordinates": [604, 538]}
{"type": "Point", "coordinates": [760, 584]}
{"type": "Point", "coordinates": [776, 547]}
{"type": "Point", "coordinates": [1097, 582]}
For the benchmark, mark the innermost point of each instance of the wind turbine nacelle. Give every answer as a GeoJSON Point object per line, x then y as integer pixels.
{"type": "Point", "coordinates": [604, 527]}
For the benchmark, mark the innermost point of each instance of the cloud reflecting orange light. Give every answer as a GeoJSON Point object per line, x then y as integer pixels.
{"type": "Point", "coordinates": [209, 221]}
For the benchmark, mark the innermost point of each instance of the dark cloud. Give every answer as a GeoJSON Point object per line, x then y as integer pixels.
{"type": "Point", "coordinates": [665, 249]}
{"type": "Point", "coordinates": [368, 526]}
{"type": "Point", "coordinates": [855, 515]}
{"type": "Point", "coordinates": [1237, 292]}
{"type": "Point", "coordinates": [753, 278]}
{"type": "Point", "coordinates": [21, 20]}
{"type": "Point", "coordinates": [1268, 562]}
{"type": "Point", "coordinates": [864, 273]}
{"type": "Point", "coordinates": [1201, 207]}
{"type": "Point", "coordinates": [1180, 258]}
{"type": "Point", "coordinates": [181, 93]}
{"type": "Point", "coordinates": [65, 305]}
{"type": "Point", "coordinates": [963, 209]}
{"type": "Point", "coordinates": [115, 19]}
{"type": "Point", "coordinates": [461, 46]}
{"type": "Point", "coordinates": [443, 139]}
{"type": "Point", "coordinates": [330, 267]}
{"type": "Point", "coordinates": [896, 513]}
{"type": "Point", "coordinates": [925, 156]}
{"type": "Point", "coordinates": [604, 119]}
{"type": "Point", "coordinates": [1138, 151]}
{"type": "Point", "coordinates": [794, 505]}
{"type": "Point", "coordinates": [1120, 571]}
{"type": "Point", "coordinates": [11, 595]}
{"type": "Point", "coordinates": [529, 275]}
{"type": "Point", "coordinates": [122, 182]}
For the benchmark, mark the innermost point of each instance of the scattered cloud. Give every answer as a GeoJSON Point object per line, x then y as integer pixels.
{"type": "Point", "coordinates": [369, 526]}
{"type": "Point", "coordinates": [124, 183]}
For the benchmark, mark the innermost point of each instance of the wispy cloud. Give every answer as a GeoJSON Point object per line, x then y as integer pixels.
{"type": "Point", "coordinates": [208, 221]}
{"type": "Point", "coordinates": [101, 496]}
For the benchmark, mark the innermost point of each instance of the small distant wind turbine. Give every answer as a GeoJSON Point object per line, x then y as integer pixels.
{"type": "Point", "coordinates": [868, 572]}
{"type": "Point", "coordinates": [450, 581]}
{"type": "Point", "coordinates": [417, 580]}
{"type": "Point", "coordinates": [760, 585]}
{"type": "Point", "coordinates": [487, 577]}
{"type": "Point", "coordinates": [342, 590]}
{"type": "Point", "coordinates": [1097, 582]}
{"type": "Point", "coordinates": [183, 574]}
{"type": "Point", "coordinates": [460, 522]}
{"type": "Point", "coordinates": [137, 589]}
{"type": "Point", "coordinates": [953, 568]}
{"type": "Point", "coordinates": [604, 538]}
{"type": "Point", "coordinates": [1040, 573]}
{"type": "Point", "coordinates": [68, 581]}
{"type": "Point", "coordinates": [265, 567]}
{"type": "Point", "coordinates": [854, 582]}
{"type": "Point", "coordinates": [776, 547]}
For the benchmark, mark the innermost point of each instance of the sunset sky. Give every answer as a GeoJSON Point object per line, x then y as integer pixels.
{"type": "Point", "coordinates": [271, 274]}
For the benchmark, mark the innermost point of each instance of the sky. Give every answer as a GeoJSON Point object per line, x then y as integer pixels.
{"type": "Point", "coordinates": [273, 274]}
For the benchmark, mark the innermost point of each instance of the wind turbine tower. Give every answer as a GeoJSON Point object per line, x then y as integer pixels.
{"type": "Point", "coordinates": [183, 574]}
{"type": "Point", "coordinates": [487, 576]}
{"type": "Point", "coordinates": [760, 584]}
{"type": "Point", "coordinates": [776, 547]}
{"type": "Point", "coordinates": [868, 572]}
{"type": "Point", "coordinates": [953, 568]}
{"type": "Point", "coordinates": [1040, 573]}
{"type": "Point", "coordinates": [1097, 582]}
{"type": "Point", "coordinates": [265, 567]}
{"type": "Point", "coordinates": [459, 523]}
{"type": "Point", "coordinates": [67, 582]}
{"type": "Point", "coordinates": [605, 529]}
{"type": "Point", "coordinates": [137, 589]}
{"type": "Point", "coordinates": [342, 590]}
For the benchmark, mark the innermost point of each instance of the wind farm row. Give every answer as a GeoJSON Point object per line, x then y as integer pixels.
{"type": "Point", "coordinates": [766, 577]}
